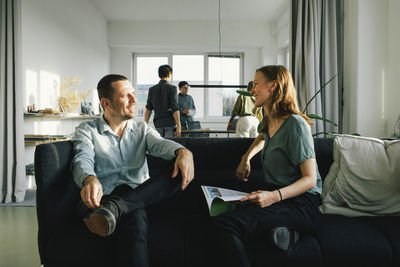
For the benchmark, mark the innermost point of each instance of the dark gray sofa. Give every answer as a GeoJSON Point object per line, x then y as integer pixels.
{"type": "Point", "coordinates": [179, 228]}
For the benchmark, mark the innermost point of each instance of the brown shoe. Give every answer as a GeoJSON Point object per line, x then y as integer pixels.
{"type": "Point", "coordinates": [101, 221]}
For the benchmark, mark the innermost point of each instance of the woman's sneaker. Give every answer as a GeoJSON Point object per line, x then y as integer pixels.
{"type": "Point", "coordinates": [284, 238]}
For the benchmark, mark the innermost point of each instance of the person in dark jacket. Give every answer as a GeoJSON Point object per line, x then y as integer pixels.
{"type": "Point", "coordinates": [162, 98]}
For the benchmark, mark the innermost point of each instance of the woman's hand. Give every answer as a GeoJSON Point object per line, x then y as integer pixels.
{"type": "Point", "coordinates": [262, 198]}
{"type": "Point", "coordinates": [243, 170]}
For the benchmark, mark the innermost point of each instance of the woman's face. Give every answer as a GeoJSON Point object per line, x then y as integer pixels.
{"type": "Point", "coordinates": [262, 89]}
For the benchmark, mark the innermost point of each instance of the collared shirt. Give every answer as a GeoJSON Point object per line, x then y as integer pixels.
{"type": "Point", "coordinates": [99, 151]}
{"type": "Point", "coordinates": [245, 105]}
{"type": "Point", "coordinates": [162, 98]}
{"type": "Point", "coordinates": [186, 102]}
{"type": "Point", "coordinates": [283, 153]}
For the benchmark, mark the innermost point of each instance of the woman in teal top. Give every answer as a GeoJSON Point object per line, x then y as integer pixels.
{"type": "Point", "coordinates": [290, 197]}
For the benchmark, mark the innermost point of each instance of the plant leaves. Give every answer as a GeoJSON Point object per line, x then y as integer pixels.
{"type": "Point", "coordinates": [320, 90]}
{"type": "Point", "coordinates": [245, 93]}
{"type": "Point", "coordinates": [319, 133]}
{"type": "Point", "coordinates": [313, 116]}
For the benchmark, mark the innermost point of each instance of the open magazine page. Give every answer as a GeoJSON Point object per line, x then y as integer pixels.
{"type": "Point", "coordinates": [219, 199]}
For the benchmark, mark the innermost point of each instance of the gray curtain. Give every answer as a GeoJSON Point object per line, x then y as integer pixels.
{"type": "Point", "coordinates": [317, 50]}
{"type": "Point", "coordinates": [12, 179]}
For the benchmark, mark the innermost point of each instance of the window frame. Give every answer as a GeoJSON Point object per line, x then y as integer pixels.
{"type": "Point", "coordinates": [206, 55]}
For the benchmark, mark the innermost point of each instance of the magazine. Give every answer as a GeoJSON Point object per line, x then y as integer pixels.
{"type": "Point", "coordinates": [220, 200]}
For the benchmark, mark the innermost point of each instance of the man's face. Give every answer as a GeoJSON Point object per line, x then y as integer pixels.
{"type": "Point", "coordinates": [124, 102]}
{"type": "Point", "coordinates": [184, 89]}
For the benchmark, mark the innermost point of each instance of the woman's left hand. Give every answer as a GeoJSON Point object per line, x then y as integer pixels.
{"type": "Point", "coordinates": [261, 198]}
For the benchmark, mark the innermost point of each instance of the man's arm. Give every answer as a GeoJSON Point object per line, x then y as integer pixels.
{"type": "Point", "coordinates": [173, 105]}
{"type": "Point", "coordinates": [147, 114]}
{"type": "Point", "coordinates": [192, 110]}
{"type": "Point", "coordinates": [177, 119]}
{"type": "Point", "coordinates": [230, 122]}
{"type": "Point", "coordinates": [169, 149]}
{"type": "Point", "coordinates": [83, 167]}
{"type": "Point", "coordinates": [184, 163]}
{"type": "Point", "coordinates": [235, 111]}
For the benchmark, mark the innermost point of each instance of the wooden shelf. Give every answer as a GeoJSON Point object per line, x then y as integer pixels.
{"type": "Point", "coordinates": [37, 139]}
{"type": "Point", "coordinates": [59, 116]}
{"type": "Point", "coordinates": [36, 143]}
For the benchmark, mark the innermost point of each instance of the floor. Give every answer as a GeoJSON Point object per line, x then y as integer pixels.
{"type": "Point", "coordinates": [18, 235]}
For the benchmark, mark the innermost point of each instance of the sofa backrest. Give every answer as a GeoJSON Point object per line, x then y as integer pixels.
{"type": "Point", "coordinates": [221, 156]}
{"type": "Point", "coordinates": [215, 159]}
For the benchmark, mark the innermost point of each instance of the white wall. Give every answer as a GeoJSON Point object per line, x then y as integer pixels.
{"type": "Point", "coordinates": [61, 39]}
{"type": "Point", "coordinates": [253, 39]}
{"type": "Point", "coordinates": [392, 96]}
{"type": "Point", "coordinates": [127, 37]}
{"type": "Point", "coordinates": [281, 33]}
{"type": "Point", "coordinates": [371, 66]}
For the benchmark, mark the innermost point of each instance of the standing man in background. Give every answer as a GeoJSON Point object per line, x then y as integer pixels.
{"type": "Point", "coordinates": [185, 103]}
{"type": "Point", "coordinates": [162, 98]}
{"type": "Point", "coordinates": [249, 115]}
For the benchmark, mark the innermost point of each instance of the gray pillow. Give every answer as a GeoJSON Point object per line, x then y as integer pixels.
{"type": "Point", "coordinates": [364, 179]}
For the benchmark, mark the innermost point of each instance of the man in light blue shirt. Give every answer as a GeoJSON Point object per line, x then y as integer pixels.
{"type": "Point", "coordinates": [186, 105]}
{"type": "Point", "coordinates": [110, 167]}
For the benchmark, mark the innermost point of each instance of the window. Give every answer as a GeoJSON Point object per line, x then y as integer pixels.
{"type": "Point", "coordinates": [211, 103]}
{"type": "Point", "coordinates": [222, 70]}
{"type": "Point", "coordinates": [283, 57]}
{"type": "Point", "coordinates": [146, 75]}
{"type": "Point", "coordinates": [190, 68]}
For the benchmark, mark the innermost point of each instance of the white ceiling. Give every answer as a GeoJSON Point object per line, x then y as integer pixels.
{"type": "Point", "coordinates": [246, 10]}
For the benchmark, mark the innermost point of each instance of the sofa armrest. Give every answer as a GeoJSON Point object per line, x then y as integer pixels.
{"type": "Point", "coordinates": [57, 193]}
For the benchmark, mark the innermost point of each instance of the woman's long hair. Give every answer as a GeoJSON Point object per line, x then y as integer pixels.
{"type": "Point", "coordinates": [284, 97]}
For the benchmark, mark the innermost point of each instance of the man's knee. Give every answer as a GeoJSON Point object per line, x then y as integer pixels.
{"type": "Point", "coordinates": [136, 221]}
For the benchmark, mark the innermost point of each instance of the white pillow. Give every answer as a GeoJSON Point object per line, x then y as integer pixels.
{"type": "Point", "coordinates": [364, 179]}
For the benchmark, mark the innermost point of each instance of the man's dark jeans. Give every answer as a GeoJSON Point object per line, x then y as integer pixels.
{"type": "Point", "coordinates": [130, 236]}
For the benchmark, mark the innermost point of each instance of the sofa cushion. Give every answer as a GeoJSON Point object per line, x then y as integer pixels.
{"type": "Point", "coordinates": [349, 240]}
{"type": "Point", "coordinates": [389, 227]}
{"type": "Point", "coordinates": [73, 244]}
{"type": "Point", "coordinates": [364, 178]}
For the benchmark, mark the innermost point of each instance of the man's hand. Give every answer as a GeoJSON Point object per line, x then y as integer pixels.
{"type": "Point", "coordinates": [262, 198]}
{"type": "Point", "coordinates": [243, 170]}
{"type": "Point", "coordinates": [177, 132]}
{"type": "Point", "coordinates": [92, 192]}
{"type": "Point", "coordinates": [185, 111]}
{"type": "Point", "coordinates": [184, 163]}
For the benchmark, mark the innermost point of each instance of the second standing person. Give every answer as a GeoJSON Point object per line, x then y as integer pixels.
{"type": "Point", "coordinates": [249, 115]}
{"type": "Point", "coordinates": [185, 103]}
